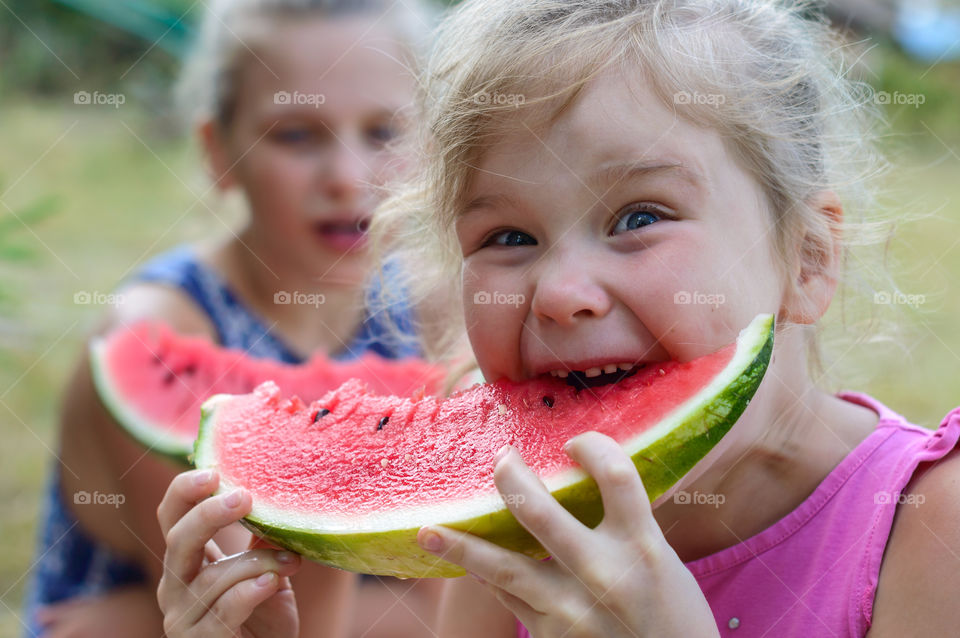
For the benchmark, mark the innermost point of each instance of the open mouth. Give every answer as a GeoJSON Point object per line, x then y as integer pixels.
{"type": "Point", "coordinates": [343, 226]}
{"type": "Point", "coordinates": [596, 377]}
{"type": "Point", "coordinates": [343, 234]}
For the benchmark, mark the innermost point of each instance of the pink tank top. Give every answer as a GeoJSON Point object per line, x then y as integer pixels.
{"type": "Point", "coordinates": [815, 571]}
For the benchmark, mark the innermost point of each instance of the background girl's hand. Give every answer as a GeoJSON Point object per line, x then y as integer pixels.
{"type": "Point", "coordinates": [203, 593]}
{"type": "Point", "coordinates": [119, 613]}
{"type": "Point", "coordinates": [620, 579]}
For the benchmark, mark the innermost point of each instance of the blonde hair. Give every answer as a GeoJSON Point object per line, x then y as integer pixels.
{"type": "Point", "coordinates": [781, 99]}
{"type": "Point", "coordinates": [208, 82]}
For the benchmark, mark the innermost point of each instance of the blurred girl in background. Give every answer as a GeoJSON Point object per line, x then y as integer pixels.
{"type": "Point", "coordinates": [295, 103]}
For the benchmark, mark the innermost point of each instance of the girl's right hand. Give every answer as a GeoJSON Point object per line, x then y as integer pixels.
{"type": "Point", "coordinates": [202, 592]}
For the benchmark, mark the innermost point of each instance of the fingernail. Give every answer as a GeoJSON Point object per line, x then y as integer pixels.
{"type": "Point", "coordinates": [266, 579]}
{"type": "Point", "coordinates": [285, 557]}
{"type": "Point", "coordinates": [432, 541]}
{"type": "Point", "coordinates": [233, 498]}
{"type": "Point", "coordinates": [201, 478]}
{"type": "Point", "coordinates": [502, 452]}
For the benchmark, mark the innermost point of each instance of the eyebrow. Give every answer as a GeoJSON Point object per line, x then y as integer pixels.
{"type": "Point", "coordinates": [607, 175]}
{"type": "Point", "coordinates": [611, 173]}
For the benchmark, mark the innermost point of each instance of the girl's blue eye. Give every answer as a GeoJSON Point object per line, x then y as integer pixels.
{"type": "Point", "coordinates": [292, 136]}
{"type": "Point", "coordinates": [510, 238]}
{"type": "Point", "coordinates": [380, 135]}
{"type": "Point", "coordinates": [633, 219]}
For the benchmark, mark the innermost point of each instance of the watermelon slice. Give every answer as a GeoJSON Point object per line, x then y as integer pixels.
{"type": "Point", "coordinates": [347, 480]}
{"type": "Point", "coordinates": [153, 381]}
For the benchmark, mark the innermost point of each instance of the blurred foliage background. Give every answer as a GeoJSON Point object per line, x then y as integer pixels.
{"type": "Point", "coordinates": [87, 192]}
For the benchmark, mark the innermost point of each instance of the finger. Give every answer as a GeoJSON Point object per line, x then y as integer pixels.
{"type": "Point", "coordinates": [170, 586]}
{"type": "Point", "coordinates": [234, 607]}
{"type": "Point", "coordinates": [212, 552]}
{"type": "Point", "coordinates": [535, 508]}
{"type": "Point", "coordinates": [625, 503]}
{"type": "Point", "coordinates": [515, 573]}
{"type": "Point", "coordinates": [185, 491]}
{"type": "Point", "coordinates": [217, 578]}
{"type": "Point", "coordinates": [187, 539]}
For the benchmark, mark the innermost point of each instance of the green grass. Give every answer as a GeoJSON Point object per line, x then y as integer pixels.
{"type": "Point", "coordinates": [119, 199]}
{"type": "Point", "coordinates": [115, 202]}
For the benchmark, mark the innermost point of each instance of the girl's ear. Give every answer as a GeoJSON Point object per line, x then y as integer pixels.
{"type": "Point", "coordinates": [817, 270]}
{"type": "Point", "coordinates": [217, 156]}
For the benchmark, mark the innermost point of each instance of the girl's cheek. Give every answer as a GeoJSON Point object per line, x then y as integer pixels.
{"type": "Point", "coordinates": [494, 324]}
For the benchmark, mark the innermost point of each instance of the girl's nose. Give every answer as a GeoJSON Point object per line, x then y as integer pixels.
{"type": "Point", "coordinates": [347, 171]}
{"type": "Point", "coordinates": [567, 291]}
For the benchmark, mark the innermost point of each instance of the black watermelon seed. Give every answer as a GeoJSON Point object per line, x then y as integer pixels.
{"type": "Point", "coordinates": [190, 369]}
{"type": "Point", "coordinates": [320, 414]}
{"type": "Point", "coordinates": [169, 377]}
{"type": "Point", "coordinates": [548, 401]}
{"type": "Point", "coordinates": [383, 422]}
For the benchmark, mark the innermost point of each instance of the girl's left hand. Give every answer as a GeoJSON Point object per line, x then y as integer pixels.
{"type": "Point", "coordinates": [621, 578]}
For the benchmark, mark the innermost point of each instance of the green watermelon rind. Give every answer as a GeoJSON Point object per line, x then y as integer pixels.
{"type": "Point", "coordinates": [662, 455]}
{"type": "Point", "coordinates": [149, 434]}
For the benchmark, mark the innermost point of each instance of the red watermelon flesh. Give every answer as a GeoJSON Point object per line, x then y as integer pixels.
{"type": "Point", "coordinates": [346, 464]}
{"type": "Point", "coordinates": [349, 478]}
{"type": "Point", "coordinates": [153, 380]}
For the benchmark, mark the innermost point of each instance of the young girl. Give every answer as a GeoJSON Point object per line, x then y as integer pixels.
{"type": "Point", "coordinates": [611, 164]}
{"type": "Point", "coordinates": [295, 102]}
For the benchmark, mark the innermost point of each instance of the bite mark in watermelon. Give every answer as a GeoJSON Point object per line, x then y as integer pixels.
{"type": "Point", "coordinates": [347, 480]}
{"type": "Point", "coordinates": [153, 380]}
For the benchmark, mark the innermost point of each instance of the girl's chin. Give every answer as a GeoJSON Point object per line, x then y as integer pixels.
{"type": "Point", "coordinates": [350, 269]}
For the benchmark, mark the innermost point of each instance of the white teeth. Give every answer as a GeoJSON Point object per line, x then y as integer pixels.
{"type": "Point", "coordinates": [625, 366]}
{"type": "Point", "coordinates": [562, 374]}
{"type": "Point", "coordinates": [592, 372]}
{"type": "Point", "coordinates": [553, 373]}
{"type": "Point", "coordinates": [610, 367]}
